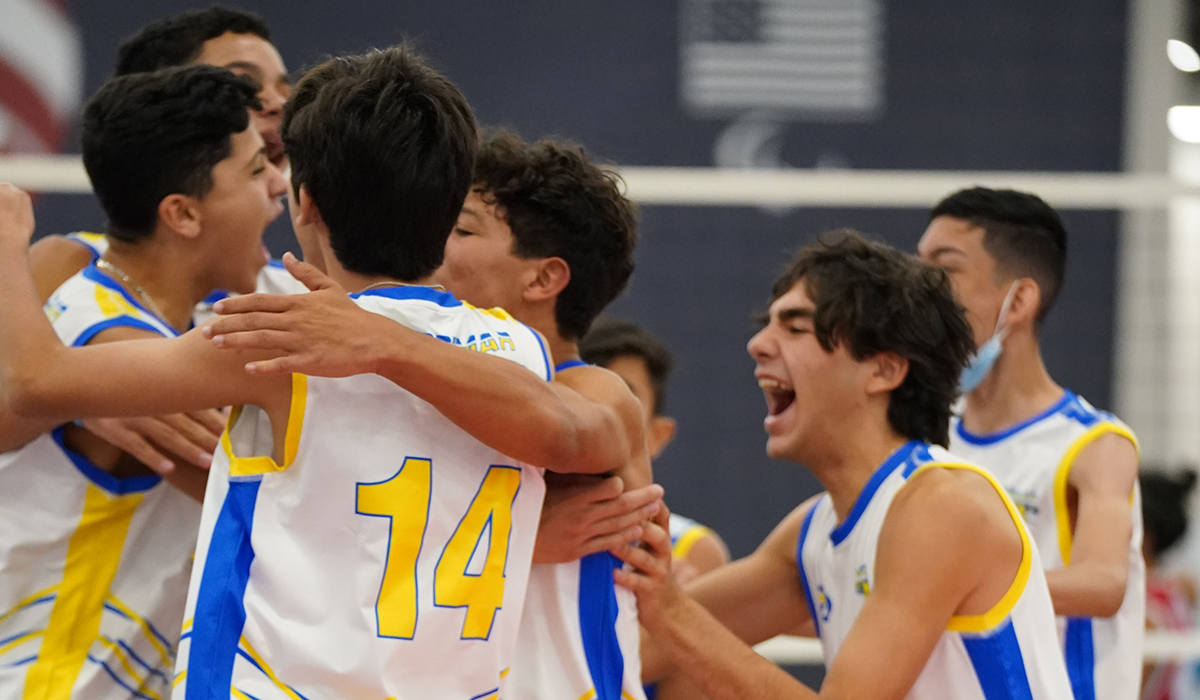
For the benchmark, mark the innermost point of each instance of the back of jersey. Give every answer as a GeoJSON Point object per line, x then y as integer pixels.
{"type": "Point", "coordinates": [386, 558]}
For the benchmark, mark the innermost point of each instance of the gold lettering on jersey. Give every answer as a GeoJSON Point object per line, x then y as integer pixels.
{"type": "Point", "coordinates": [485, 342]}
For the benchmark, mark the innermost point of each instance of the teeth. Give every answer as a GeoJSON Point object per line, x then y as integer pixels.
{"type": "Point", "coordinates": [771, 385]}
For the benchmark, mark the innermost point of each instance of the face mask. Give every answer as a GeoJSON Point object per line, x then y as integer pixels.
{"type": "Point", "coordinates": [985, 357]}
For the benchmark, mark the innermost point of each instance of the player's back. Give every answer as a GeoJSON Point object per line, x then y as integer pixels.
{"type": "Point", "coordinates": [387, 557]}
{"type": "Point", "coordinates": [1033, 460]}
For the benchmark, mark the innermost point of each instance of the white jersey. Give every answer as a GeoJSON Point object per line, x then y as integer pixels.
{"type": "Point", "coordinates": [1033, 461]}
{"type": "Point", "coordinates": [579, 633]}
{"type": "Point", "coordinates": [273, 278]}
{"type": "Point", "coordinates": [93, 568]}
{"type": "Point", "coordinates": [387, 557]}
{"type": "Point", "coordinates": [1010, 652]}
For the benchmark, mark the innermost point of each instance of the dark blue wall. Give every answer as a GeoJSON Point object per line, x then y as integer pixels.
{"type": "Point", "coordinates": [971, 84]}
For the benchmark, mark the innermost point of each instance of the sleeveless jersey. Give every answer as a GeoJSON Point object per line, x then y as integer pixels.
{"type": "Point", "coordinates": [1009, 652]}
{"type": "Point", "coordinates": [685, 532]}
{"type": "Point", "coordinates": [273, 278]}
{"type": "Point", "coordinates": [579, 632]}
{"type": "Point", "coordinates": [93, 568]}
{"type": "Point", "coordinates": [1033, 461]}
{"type": "Point", "coordinates": [387, 557]}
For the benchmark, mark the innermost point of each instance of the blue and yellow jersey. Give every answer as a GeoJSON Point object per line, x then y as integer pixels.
{"type": "Point", "coordinates": [1011, 651]}
{"type": "Point", "coordinates": [93, 568]}
{"type": "Point", "coordinates": [386, 556]}
{"type": "Point", "coordinates": [1033, 461]}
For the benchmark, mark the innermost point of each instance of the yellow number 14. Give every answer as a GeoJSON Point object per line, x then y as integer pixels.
{"type": "Point", "coordinates": [404, 499]}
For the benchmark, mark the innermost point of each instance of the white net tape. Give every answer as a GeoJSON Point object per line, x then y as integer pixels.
{"type": "Point", "coordinates": [800, 651]}
{"type": "Point", "coordinates": [777, 188]}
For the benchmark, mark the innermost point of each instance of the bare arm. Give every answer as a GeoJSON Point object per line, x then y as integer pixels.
{"type": "Point", "coordinates": [500, 403]}
{"type": "Point", "coordinates": [55, 259]}
{"type": "Point", "coordinates": [927, 570]}
{"type": "Point", "coordinates": [1094, 580]}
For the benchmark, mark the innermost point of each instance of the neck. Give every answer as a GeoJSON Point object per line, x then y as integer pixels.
{"type": "Point", "coordinates": [845, 468]}
{"type": "Point", "coordinates": [1017, 389]}
{"type": "Point", "coordinates": [166, 273]}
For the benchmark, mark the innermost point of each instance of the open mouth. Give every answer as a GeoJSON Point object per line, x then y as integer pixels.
{"type": "Point", "coordinates": [274, 147]}
{"type": "Point", "coordinates": [779, 397]}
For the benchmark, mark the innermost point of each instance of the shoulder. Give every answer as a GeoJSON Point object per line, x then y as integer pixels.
{"type": "Point", "coordinates": [1104, 454]}
{"type": "Point", "coordinates": [601, 385]}
{"type": "Point", "coordinates": [784, 540]}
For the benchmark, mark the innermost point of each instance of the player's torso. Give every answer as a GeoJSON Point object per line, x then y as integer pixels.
{"type": "Point", "coordinates": [389, 558]}
{"type": "Point", "coordinates": [578, 636]}
{"type": "Point", "coordinates": [1032, 461]}
{"type": "Point", "coordinates": [93, 568]}
{"type": "Point", "coordinates": [1014, 646]}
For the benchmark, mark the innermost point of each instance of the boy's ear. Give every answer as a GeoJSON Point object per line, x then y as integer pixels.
{"type": "Point", "coordinates": [181, 214]}
{"type": "Point", "coordinates": [308, 214]}
{"type": "Point", "coordinates": [547, 280]}
{"type": "Point", "coordinates": [888, 371]}
{"type": "Point", "coordinates": [662, 432]}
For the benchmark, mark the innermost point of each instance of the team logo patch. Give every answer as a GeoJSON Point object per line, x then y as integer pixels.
{"type": "Point", "coordinates": [861, 584]}
{"type": "Point", "coordinates": [824, 604]}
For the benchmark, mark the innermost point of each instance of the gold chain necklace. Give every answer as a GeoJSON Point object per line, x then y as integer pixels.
{"type": "Point", "coordinates": [106, 265]}
{"type": "Point", "coordinates": [379, 285]}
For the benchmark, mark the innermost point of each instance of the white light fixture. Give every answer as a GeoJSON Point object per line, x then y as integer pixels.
{"type": "Point", "coordinates": [1183, 56]}
{"type": "Point", "coordinates": [1184, 123]}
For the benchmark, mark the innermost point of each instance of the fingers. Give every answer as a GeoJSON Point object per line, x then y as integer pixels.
{"type": "Point", "coordinates": [117, 433]}
{"type": "Point", "coordinates": [279, 365]}
{"type": "Point", "coordinates": [186, 437]}
{"type": "Point", "coordinates": [248, 321]}
{"type": "Point", "coordinates": [212, 420]}
{"type": "Point", "coordinates": [278, 341]}
{"type": "Point", "coordinates": [657, 538]}
{"type": "Point", "coordinates": [246, 303]}
{"type": "Point", "coordinates": [638, 558]}
{"type": "Point", "coordinates": [608, 542]}
{"type": "Point", "coordinates": [625, 520]}
{"type": "Point", "coordinates": [312, 278]}
{"type": "Point", "coordinates": [632, 502]}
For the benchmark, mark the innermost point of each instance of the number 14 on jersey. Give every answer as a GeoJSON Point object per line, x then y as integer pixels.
{"type": "Point", "coordinates": [404, 500]}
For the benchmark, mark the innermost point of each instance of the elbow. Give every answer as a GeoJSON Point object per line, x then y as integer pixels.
{"type": "Point", "coordinates": [1110, 596]}
{"type": "Point", "coordinates": [580, 448]}
{"type": "Point", "coordinates": [24, 394]}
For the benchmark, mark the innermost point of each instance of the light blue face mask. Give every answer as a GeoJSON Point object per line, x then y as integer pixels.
{"type": "Point", "coordinates": [985, 357]}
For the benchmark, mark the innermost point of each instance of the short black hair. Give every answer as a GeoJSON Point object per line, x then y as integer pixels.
{"type": "Point", "coordinates": [1024, 235]}
{"type": "Point", "coordinates": [873, 298]}
{"type": "Point", "coordinates": [560, 204]}
{"type": "Point", "coordinates": [1165, 507]}
{"type": "Point", "coordinates": [149, 135]}
{"type": "Point", "coordinates": [179, 39]}
{"type": "Point", "coordinates": [611, 338]}
{"type": "Point", "coordinates": [385, 146]}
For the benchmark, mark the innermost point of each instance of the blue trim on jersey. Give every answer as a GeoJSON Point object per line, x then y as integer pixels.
{"type": "Point", "coordinates": [216, 296]}
{"type": "Point", "coordinates": [545, 355]}
{"type": "Point", "coordinates": [598, 624]}
{"type": "Point", "coordinates": [1080, 654]}
{"type": "Point", "coordinates": [94, 274]}
{"type": "Point", "coordinates": [999, 665]}
{"type": "Point", "coordinates": [410, 291]}
{"type": "Point", "coordinates": [812, 608]}
{"type": "Point", "coordinates": [485, 693]}
{"type": "Point", "coordinates": [220, 602]}
{"type": "Point", "coordinates": [841, 532]}
{"type": "Point", "coordinates": [119, 322]}
{"type": "Point", "coordinates": [992, 438]}
{"type": "Point", "coordinates": [277, 263]}
{"type": "Point", "coordinates": [152, 670]}
{"type": "Point", "coordinates": [569, 364]}
{"type": "Point", "coordinates": [77, 237]}
{"type": "Point", "coordinates": [149, 625]}
{"type": "Point", "coordinates": [22, 662]}
{"type": "Point", "coordinates": [99, 477]}
{"type": "Point", "coordinates": [919, 456]}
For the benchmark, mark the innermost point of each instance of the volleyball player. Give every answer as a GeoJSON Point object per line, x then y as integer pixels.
{"type": "Point", "coordinates": [240, 42]}
{"type": "Point", "coordinates": [645, 363]}
{"type": "Point", "coordinates": [371, 567]}
{"type": "Point", "coordinates": [95, 549]}
{"type": "Point", "coordinates": [915, 567]}
{"type": "Point", "coordinates": [1071, 469]}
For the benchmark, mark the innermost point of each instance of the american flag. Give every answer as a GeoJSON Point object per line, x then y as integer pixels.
{"type": "Point", "coordinates": [41, 75]}
{"type": "Point", "coordinates": [817, 59]}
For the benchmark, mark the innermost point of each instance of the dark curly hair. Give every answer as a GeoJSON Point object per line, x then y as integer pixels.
{"type": "Point", "coordinates": [1023, 234]}
{"type": "Point", "coordinates": [149, 135]}
{"type": "Point", "coordinates": [385, 145]}
{"type": "Point", "coordinates": [1165, 500]}
{"type": "Point", "coordinates": [179, 39]}
{"type": "Point", "coordinates": [874, 298]}
{"type": "Point", "coordinates": [559, 204]}
{"type": "Point", "coordinates": [610, 338]}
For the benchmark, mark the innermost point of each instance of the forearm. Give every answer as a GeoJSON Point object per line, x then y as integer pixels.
{"type": "Point", "coordinates": [30, 345]}
{"type": "Point", "coordinates": [723, 666]}
{"type": "Point", "coordinates": [1087, 589]}
{"type": "Point", "coordinates": [501, 403]}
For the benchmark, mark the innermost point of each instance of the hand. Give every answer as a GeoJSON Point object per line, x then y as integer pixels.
{"type": "Point", "coordinates": [322, 333]}
{"type": "Point", "coordinates": [650, 577]}
{"type": "Point", "coordinates": [16, 217]}
{"type": "Point", "coordinates": [192, 437]}
{"type": "Point", "coordinates": [584, 515]}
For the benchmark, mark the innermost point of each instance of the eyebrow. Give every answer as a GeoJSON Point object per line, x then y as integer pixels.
{"type": "Point", "coordinates": [796, 313]}
{"type": "Point", "coordinates": [254, 158]}
{"type": "Point", "coordinates": [943, 250]}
